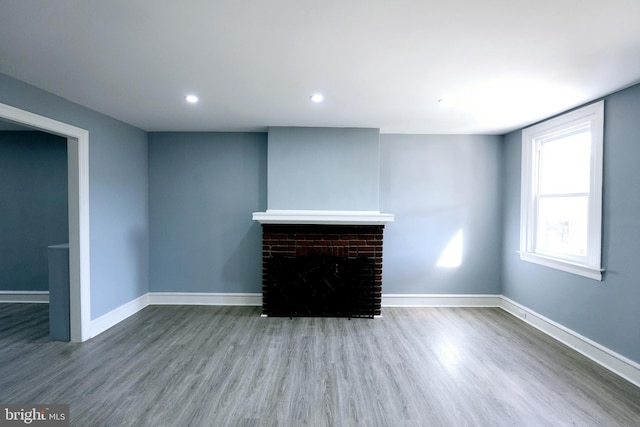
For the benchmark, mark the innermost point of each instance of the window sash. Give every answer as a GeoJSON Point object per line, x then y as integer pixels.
{"type": "Point", "coordinates": [549, 178]}
{"type": "Point", "coordinates": [539, 248]}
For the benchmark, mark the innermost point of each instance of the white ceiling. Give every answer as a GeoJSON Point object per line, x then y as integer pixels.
{"type": "Point", "coordinates": [380, 63]}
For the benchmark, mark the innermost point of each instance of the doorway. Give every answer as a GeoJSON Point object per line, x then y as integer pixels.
{"type": "Point", "coordinates": [78, 196]}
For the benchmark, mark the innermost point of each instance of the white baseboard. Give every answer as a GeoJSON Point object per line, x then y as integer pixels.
{"type": "Point", "coordinates": [112, 318]}
{"type": "Point", "coordinates": [626, 368]}
{"type": "Point", "coordinates": [388, 300]}
{"type": "Point", "coordinates": [439, 300]}
{"type": "Point", "coordinates": [204, 298]}
{"type": "Point", "coordinates": [29, 297]}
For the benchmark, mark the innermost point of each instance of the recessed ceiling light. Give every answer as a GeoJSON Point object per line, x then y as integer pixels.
{"type": "Point", "coordinates": [192, 99]}
{"type": "Point", "coordinates": [317, 98]}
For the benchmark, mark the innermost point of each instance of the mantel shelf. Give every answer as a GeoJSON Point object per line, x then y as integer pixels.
{"type": "Point", "coordinates": [312, 217]}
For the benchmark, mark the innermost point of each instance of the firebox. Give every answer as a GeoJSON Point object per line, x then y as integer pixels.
{"type": "Point", "coordinates": [322, 270]}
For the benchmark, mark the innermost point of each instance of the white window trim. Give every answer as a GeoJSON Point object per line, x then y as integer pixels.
{"type": "Point", "coordinates": [591, 267]}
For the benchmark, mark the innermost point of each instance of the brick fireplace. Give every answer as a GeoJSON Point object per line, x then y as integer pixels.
{"type": "Point", "coordinates": [322, 230]}
{"type": "Point", "coordinates": [322, 263]}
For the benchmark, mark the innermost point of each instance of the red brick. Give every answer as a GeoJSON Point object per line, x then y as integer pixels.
{"type": "Point", "coordinates": [278, 236]}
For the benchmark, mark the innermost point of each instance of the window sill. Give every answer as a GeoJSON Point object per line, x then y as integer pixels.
{"type": "Point", "coordinates": [567, 266]}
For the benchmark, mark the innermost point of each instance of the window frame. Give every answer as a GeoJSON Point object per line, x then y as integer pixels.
{"type": "Point", "coordinates": [590, 265]}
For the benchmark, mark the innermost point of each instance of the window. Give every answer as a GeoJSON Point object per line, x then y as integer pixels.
{"type": "Point", "coordinates": [561, 206]}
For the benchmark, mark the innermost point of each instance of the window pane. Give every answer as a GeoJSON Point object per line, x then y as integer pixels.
{"type": "Point", "coordinates": [565, 164]}
{"type": "Point", "coordinates": [562, 225]}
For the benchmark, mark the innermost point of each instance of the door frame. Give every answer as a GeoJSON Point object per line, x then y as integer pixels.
{"type": "Point", "coordinates": [78, 188]}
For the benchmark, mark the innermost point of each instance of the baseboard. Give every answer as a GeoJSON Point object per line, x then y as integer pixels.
{"type": "Point", "coordinates": [439, 300]}
{"type": "Point", "coordinates": [622, 366]}
{"type": "Point", "coordinates": [204, 298]}
{"type": "Point", "coordinates": [27, 297]}
{"type": "Point", "coordinates": [112, 318]}
{"type": "Point", "coordinates": [388, 300]}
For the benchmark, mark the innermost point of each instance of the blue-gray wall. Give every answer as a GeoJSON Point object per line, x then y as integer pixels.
{"type": "Point", "coordinates": [204, 187]}
{"type": "Point", "coordinates": [203, 190]}
{"type": "Point", "coordinates": [437, 185]}
{"type": "Point", "coordinates": [33, 207]}
{"type": "Point", "coordinates": [118, 192]}
{"type": "Point", "coordinates": [323, 168]}
{"type": "Point", "coordinates": [607, 312]}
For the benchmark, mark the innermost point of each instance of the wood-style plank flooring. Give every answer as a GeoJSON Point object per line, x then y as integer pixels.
{"type": "Point", "coordinates": [227, 366]}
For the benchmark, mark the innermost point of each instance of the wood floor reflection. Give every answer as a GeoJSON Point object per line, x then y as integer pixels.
{"type": "Point", "coordinates": [227, 366]}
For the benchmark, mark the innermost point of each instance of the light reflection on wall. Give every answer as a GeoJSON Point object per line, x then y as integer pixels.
{"type": "Point", "coordinates": [451, 257]}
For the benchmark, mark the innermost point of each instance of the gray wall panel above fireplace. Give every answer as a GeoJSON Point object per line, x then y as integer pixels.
{"type": "Point", "coordinates": [323, 169]}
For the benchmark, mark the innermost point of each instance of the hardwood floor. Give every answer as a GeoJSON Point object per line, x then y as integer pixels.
{"type": "Point", "coordinates": [226, 366]}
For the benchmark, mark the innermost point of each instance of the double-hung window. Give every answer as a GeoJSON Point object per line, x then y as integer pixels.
{"type": "Point", "coordinates": [561, 205]}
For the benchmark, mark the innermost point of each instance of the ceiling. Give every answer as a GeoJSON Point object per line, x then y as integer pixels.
{"type": "Point", "coordinates": [503, 64]}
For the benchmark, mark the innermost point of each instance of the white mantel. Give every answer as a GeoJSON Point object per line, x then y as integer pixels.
{"type": "Point", "coordinates": [322, 217]}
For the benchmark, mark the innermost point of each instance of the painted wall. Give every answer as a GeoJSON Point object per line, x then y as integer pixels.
{"type": "Point", "coordinates": [438, 186]}
{"type": "Point", "coordinates": [203, 190]}
{"type": "Point", "coordinates": [607, 312]}
{"type": "Point", "coordinates": [118, 192]}
{"type": "Point", "coordinates": [323, 168]}
{"type": "Point", "coordinates": [204, 187]}
{"type": "Point", "coordinates": [34, 207]}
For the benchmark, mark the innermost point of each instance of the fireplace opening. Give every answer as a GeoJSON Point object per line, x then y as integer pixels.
{"type": "Point", "coordinates": [319, 285]}
{"type": "Point", "coordinates": [322, 270]}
